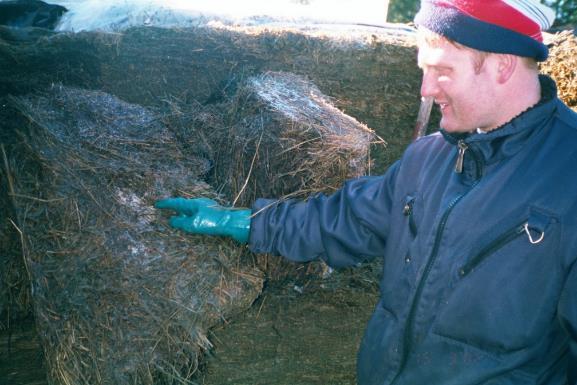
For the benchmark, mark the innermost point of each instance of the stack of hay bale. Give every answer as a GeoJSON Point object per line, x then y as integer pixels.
{"type": "Point", "coordinates": [370, 72]}
{"type": "Point", "coordinates": [118, 296]}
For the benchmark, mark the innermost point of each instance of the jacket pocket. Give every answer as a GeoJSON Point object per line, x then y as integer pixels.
{"type": "Point", "coordinates": [505, 295]}
{"type": "Point", "coordinates": [534, 228]}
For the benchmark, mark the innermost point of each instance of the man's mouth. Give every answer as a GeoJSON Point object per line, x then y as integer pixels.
{"type": "Point", "coordinates": [443, 106]}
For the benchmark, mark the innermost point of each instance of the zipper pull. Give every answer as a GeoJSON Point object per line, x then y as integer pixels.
{"type": "Point", "coordinates": [462, 148]}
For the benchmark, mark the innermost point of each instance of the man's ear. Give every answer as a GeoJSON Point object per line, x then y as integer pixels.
{"type": "Point", "coordinates": [506, 65]}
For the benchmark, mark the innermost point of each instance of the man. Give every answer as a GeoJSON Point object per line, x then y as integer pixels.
{"type": "Point", "coordinates": [475, 224]}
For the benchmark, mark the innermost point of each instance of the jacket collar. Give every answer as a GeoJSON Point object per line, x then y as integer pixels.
{"type": "Point", "coordinates": [505, 141]}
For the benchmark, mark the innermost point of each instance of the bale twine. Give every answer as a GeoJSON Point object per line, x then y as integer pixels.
{"type": "Point", "coordinates": [562, 66]}
{"type": "Point", "coordinates": [119, 298]}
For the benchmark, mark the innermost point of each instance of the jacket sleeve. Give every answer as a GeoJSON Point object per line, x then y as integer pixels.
{"type": "Point", "coordinates": [568, 315]}
{"type": "Point", "coordinates": [344, 229]}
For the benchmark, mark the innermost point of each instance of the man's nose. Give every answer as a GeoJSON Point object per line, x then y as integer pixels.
{"type": "Point", "coordinates": [429, 86]}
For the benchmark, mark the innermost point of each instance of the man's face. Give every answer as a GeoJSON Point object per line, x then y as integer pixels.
{"type": "Point", "coordinates": [463, 91]}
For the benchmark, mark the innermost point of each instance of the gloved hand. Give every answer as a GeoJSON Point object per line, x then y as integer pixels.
{"type": "Point", "coordinates": [205, 216]}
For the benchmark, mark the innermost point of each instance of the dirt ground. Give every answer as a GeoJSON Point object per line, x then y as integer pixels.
{"type": "Point", "coordinates": [296, 335]}
{"type": "Point", "coordinates": [302, 332]}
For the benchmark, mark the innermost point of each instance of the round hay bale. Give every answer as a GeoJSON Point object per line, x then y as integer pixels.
{"type": "Point", "coordinates": [119, 298]}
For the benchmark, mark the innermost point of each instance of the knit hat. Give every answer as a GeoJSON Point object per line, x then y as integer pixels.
{"type": "Point", "coordinates": [500, 26]}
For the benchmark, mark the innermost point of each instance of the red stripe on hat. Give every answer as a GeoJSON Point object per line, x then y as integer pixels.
{"type": "Point", "coordinates": [498, 13]}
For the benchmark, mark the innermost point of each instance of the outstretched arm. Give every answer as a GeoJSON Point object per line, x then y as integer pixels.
{"type": "Point", "coordinates": [345, 228]}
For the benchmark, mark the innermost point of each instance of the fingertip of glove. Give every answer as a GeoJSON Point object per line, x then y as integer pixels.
{"type": "Point", "coordinates": [176, 220]}
{"type": "Point", "coordinates": [168, 203]}
{"type": "Point", "coordinates": [205, 202]}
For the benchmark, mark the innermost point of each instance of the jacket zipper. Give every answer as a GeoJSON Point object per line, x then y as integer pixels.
{"type": "Point", "coordinates": [460, 156]}
{"type": "Point", "coordinates": [408, 212]}
{"type": "Point", "coordinates": [436, 245]}
{"type": "Point", "coordinates": [505, 238]}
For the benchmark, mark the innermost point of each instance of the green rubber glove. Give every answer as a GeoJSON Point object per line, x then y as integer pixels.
{"type": "Point", "coordinates": [205, 216]}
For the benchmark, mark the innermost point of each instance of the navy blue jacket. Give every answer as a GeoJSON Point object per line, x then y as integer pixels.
{"type": "Point", "coordinates": [479, 281]}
